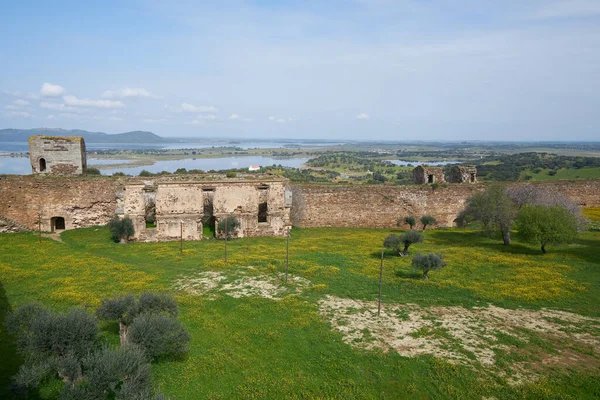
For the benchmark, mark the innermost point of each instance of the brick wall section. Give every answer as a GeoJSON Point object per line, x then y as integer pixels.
{"type": "Point", "coordinates": [81, 201]}
{"type": "Point", "coordinates": [378, 206]}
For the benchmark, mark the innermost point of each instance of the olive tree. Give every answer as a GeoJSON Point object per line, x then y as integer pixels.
{"type": "Point", "coordinates": [393, 241]}
{"type": "Point", "coordinates": [227, 226]}
{"type": "Point", "coordinates": [122, 373]}
{"type": "Point", "coordinates": [493, 208]}
{"type": "Point", "coordinates": [408, 220]}
{"type": "Point", "coordinates": [427, 220]}
{"type": "Point", "coordinates": [121, 228]}
{"type": "Point", "coordinates": [427, 262]}
{"type": "Point", "coordinates": [532, 194]}
{"type": "Point", "coordinates": [546, 225]}
{"type": "Point", "coordinates": [50, 344]}
{"type": "Point", "coordinates": [125, 309]}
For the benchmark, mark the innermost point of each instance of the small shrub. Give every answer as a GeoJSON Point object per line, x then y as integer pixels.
{"type": "Point", "coordinates": [121, 228]}
{"type": "Point", "coordinates": [93, 171]}
{"type": "Point", "coordinates": [408, 220]}
{"type": "Point", "coordinates": [159, 335]}
{"type": "Point", "coordinates": [146, 173]}
{"type": "Point", "coordinates": [231, 175]}
{"type": "Point", "coordinates": [427, 262]}
{"type": "Point", "coordinates": [227, 226]}
{"type": "Point", "coordinates": [428, 220]}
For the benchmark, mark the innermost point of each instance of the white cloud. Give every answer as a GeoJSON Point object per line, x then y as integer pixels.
{"type": "Point", "coordinates": [18, 114]}
{"type": "Point", "coordinates": [50, 90]}
{"type": "Point", "coordinates": [192, 108]}
{"type": "Point", "coordinates": [115, 118]}
{"type": "Point", "coordinates": [57, 106]}
{"type": "Point", "coordinates": [209, 117]}
{"type": "Point", "coordinates": [233, 117]}
{"type": "Point", "coordinates": [186, 107]}
{"type": "Point", "coordinates": [569, 9]}
{"type": "Point", "coordinates": [129, 92]}
{"type": "Point", "coordinates": [51, 116]}
{"type": "Point", "coordinates": [11, 107]}
{"type": "Point", "coordinates": [363, 116]}
{"type": "Point", "coordinates": [21, 102]}
{"type": "Point", "coordinates": [74, 101]}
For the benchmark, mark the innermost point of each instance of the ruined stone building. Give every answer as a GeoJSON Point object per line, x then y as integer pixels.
{"type": "Point", "coordinates": [167, 209]}
{"type": "Point", "coordinates": [423, 175]}
{"type": "Point", "coordinates": [463, 174]}
{"type": "Point", "coordinates": [57, 155]}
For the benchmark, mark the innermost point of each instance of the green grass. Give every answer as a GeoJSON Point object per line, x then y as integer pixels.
{"type": "Point", "coordinates": [563, 174]}
{"type": "Point", "coordinates": [259, 348]}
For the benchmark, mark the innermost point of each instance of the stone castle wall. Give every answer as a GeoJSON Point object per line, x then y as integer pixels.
{"type": "Point", "coordinates": [84, 202]}
{"type": "Point", "coordinates": [379, 206]}
{"type": "Point", "coordinates": [81, 201]}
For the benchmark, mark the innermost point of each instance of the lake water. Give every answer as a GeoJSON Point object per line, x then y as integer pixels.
{"type": "Point", "coordinates": [22, 147]}
{"type": "Point", "coordinates": [21, 166]}
{"type": "Point", "coordinates": [210, 163]}
{"type": "Point", "coordinates": [415, 163]}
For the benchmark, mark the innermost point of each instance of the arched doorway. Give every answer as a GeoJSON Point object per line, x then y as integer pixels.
{"type": "Point", "coordinates": [42, 164]}
{"type": "Point", "coordinates": [57, 224]}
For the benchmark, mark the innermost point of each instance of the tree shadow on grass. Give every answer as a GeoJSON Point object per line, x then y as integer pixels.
{"type": "Point", "coordinates": [588, 251]}
{"type": "Point", "coordinates": [386, 254]}
{"type": "Point", "coordinates": [10, 360]}
{"type": "Point", "coordinates": [409, 274]}
{"type": "Point", "coordinates": [474, 239]}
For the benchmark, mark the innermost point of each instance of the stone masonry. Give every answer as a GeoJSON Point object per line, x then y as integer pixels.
{"type": "Point", "coordinates": [57, 155]}
{"type": "Point", "coordinates": [79, 202]}
{"type": "Point", "coordinates": [183, 207]}
{"type": "Point", "coordinates": [463, 174]}
{"type": "Point", "coordinates": [423, 175]}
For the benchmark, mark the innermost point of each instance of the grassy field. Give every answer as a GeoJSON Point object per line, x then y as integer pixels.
{"type": "Point", "coordinates": [254, 337]}
{"type": "Point", "coordinates": [563, 173]}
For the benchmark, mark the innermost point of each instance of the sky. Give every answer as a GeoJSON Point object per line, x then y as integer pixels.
{"type": "Point", "coordinates": [338, 69]}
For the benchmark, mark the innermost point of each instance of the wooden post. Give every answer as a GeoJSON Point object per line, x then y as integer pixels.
{"type": "Point", "coordinates": [226, 234]}
{"type": "Point", "coordinates": [287, 255]}
{"type": "Point", "coordinates": [181, 237]}
{"type": "Point", "coordinates": [380, 279]}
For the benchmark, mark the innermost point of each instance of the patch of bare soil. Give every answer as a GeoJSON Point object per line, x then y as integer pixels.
{"type": "Point", "coordinates": [482, 336]}
{"type": "Point", "coordinates": [242, 284]}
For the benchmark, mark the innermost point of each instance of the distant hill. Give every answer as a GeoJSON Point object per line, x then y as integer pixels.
{"type": "Point", "coordinates": [22, 135]}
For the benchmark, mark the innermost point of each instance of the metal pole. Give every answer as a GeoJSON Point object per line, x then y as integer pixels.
{"type": "Point", "coordinates": [226, 234]}
{"type": "Point", "coordinates": [181, 237]}
{"type": "Point", "coordinates": [380, 279]}
{"type": "Point", "coordinates": [287, 255]}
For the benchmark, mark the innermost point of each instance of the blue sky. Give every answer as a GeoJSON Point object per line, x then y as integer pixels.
{"type": "Point", "coordinates": [351, 69]}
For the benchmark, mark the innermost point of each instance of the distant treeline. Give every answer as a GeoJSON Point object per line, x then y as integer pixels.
{"type": "Point", "coordinates": [509, 167]}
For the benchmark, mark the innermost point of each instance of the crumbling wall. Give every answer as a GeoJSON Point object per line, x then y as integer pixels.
{"type": "Point", "coordinates": [81, 201]}
{"type": "Point", "coordinates": [85, 202]}
{"type": "Point", "coordinates": [181, 207]}
{"type": "Point", "coordinates": [423, 175]}
{"type": "Point", "coordinates": [378, 206]}
{"type": "Point", "coordinates": [463, 174]}
{"type": "Point", "coordinates": [57, 155]}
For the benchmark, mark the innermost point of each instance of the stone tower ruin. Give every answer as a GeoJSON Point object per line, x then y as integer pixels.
{"type": "Point", "coordinates": [463, 174]}
{"type": "Point", "coordinates": [57, 155]}
{"type": "Point", "coordinates": [423, 175]}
